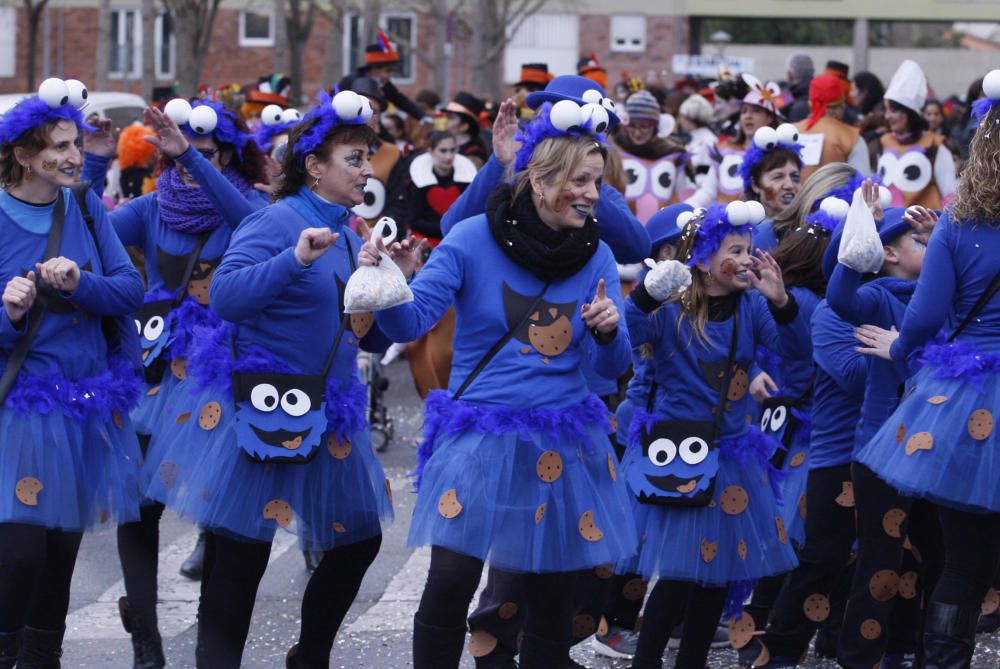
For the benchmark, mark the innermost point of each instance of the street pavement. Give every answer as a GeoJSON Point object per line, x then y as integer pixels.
{"type": "Point", "coordinates": [376, 632]}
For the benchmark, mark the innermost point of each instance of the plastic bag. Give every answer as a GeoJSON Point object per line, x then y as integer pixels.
{"type": "Point", "coordinates": [860, 246]}
{"type": "Point", "coordinates": [379, 287]}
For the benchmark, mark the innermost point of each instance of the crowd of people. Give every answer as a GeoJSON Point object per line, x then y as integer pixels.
{"type": "Point", "coordinates": [735, 340]}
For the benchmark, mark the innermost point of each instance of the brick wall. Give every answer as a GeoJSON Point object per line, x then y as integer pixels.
{"type": "Point", "coordinates": [665, 35]}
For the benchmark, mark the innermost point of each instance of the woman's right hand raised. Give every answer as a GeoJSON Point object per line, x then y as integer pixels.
{"type": "Point", "coordinates": [314, 242]}
{"type": "Point", "coordinates": [18, 296]}
{"type": "Point", "coordinates": [504, 130]}
{"type": "Point", "coordinates": [167, 136]}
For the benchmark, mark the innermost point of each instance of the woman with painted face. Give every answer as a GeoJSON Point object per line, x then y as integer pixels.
{"type": "Point", "coordinates": [274, 430]}
{"type": "Point", "coordinates": [537, 493]}
{"type": "Point", "coordinates": [209, 162]}
{"type": "Point", "coordinates": [771, 171]}
{"type": "Point", "coordinates": [695, 467]}
{"type": "Point", "coordinates": [69, 456]}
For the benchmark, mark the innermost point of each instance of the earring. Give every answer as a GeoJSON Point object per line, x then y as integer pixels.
{"type": "Point", "coordinates": [315, 185]}
{"type": "Point", "coordinates": [28, 174]}
{"type": "Point", "coordinates": [541, 200]}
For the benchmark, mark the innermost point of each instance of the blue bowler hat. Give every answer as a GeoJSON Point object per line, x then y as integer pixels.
{"type": "Point", "coordinates": [662, 226]}
{"type": "Point", "coordinates": [572, 87]}
{"type": "Point", "coordinates": [889, 228]}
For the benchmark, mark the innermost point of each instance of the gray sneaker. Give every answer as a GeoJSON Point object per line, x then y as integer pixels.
{"type": "Point", "coordinates": [618, 643]}
{"type": "Point", "coordinates": [720, 640]}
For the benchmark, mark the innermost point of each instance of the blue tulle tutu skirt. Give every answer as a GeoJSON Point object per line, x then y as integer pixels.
{"type": "Point", "coordinates": [795, 471]}
{"type": "Point", "coordinates": [739, 536]}
{"type": "Point", "coordinates": [533, 490]}
{"type": "Point", "coordinates": [70, 456]}
{"type": "Point", "coordinates": [940, 443]}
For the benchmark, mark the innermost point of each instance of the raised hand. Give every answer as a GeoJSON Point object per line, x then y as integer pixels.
{"type": "Point", "coordinates": [922, 220]}
{"type": "Point", "coordinates": [104, 140]}
{"type": "Point", "coordinates": [601, 314]}
{"type": "Point", "coordinates": [167, 137]}
{"type": "Point", "coordinates": [504, 129]}
{"type": "Point", "coordinates": [870, 192]}
{"type": "Point", "coordinates": [770, 283]}
{"type": "Point", "coordinates": [18, 296]}
{"type": "Point", "coordinates": [61, 273]}
{"type": "Point", "coordinates": [313, 243]}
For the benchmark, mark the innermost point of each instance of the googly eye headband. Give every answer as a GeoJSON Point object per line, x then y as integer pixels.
{"type": "Point", "coordinates": [344, 108]}
{"type": "Point", "coordinates": [275, 121]}
{"type": "Point", "coordinates": [57, 100]}
{"type": "Point", "coordinates": [991, 92]}
{"type": "Point", "coordinates": [711, 226]}
{"type": "Point", "coordinates": [203, 119]}
{"type": "Point", "coordinates": [831, 213]}
{"type": "Point", "coordinates": [565, 117]}
{"type": "Point", "coordinates": [765, 140]}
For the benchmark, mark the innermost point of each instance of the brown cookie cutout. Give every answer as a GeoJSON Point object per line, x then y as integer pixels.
{"type": "Point", "coordinates": [846, 496]}
{"type": "Point", "coordinates": [892, 522]}
{"type": "Point", "coordinates": [741, 630]}
{"type": "Point", "coordinates": [549, 466]}
{"type": "Point", "coordinates": [884, 585]}
{"type": "Point", "coordinates": [734, 500]}
{"type": "Point", "coordinates": [991, 602]}
{"type": "Point", "coordinates": [782, 532]}
{"type": "Point", "coordinates": [26, 490]}
{"type": "Point", "coordinates": [802, 505]}
{"type": "Point", "coordinates": [551, 339]}
{"type": "Point", "coordinates": [588, 528]}
{"type": "Point", "coordinates": [449, 506]}
{"type": "Point", "coordinates": [871, 629]}
{"type": "Point", "coordinates": [338, 448]}
{"type": "Point", "coordinates": [361, 324]}
{"type": "Point", "coordinates": [709, 549]}
{"type": "Point", "coordinates": [816, 608]}
{"type": "Point", "coordinates": [738, 385]}
{"type": "Point", "coordinates": [152, 391]}
{"type": "Point", "coordinates": [167, 473]}
{"type": "Point", "coordinates": [908, 585]}
{"type": "Point", "coordinates": [611, 467]}
{"type": "Point", "coordinates": [634, 590]}
{"type": "Point", "coordinates": [209, 416]}
{"type": "Point", "coordinates": [603, 572]}
{"type": "Point", "coordinates": [280, 511]}
{"type": "Point", "coordinates": [921, 441]}
{"type": "Point", "coordinates": [507, 611]}
{"type": "Point", "coordinates": [798, 459]}
{"type": "Point", "coordinates": [183, 418]}
{"type": "Point", "coordinates": [339, 528]}
{"type": "Point", "coordinates": [741, 549]}
{"type": "Point", "coordinates": [613, 420]}
{"type": "Point", "coordinates": [602, 627]}
{"type": "Point", "coordinates": [711, 503]}
{"type": "Point", "coordinates": [980, 424]}
{"type": "Point", "coordinates": [539, 513]}
{"type": "Point", "coordinates": [583, 626]}
{"type": "Point", "coordinates": [116, 418]}
{"type": "Point", "coordinates": [179, 368]}
{"type": "Point", "coordinates": [937, 399]}
{"type": "Point", "coordinates": [900, 433]}
{"type": "Point", "coordinates": [481, 643]}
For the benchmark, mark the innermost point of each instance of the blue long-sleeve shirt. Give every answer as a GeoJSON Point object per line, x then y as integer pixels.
{"type": "Point", "coordinates": [841, 373]}
{"type": "Point", "coordinates": [619, 228]}
{"type": "Point", "coordinates": [541, 365]}
{"type": "Point", "coordinates": [291, 310]}
{"type": "Point", "coordinates": [70, 339]}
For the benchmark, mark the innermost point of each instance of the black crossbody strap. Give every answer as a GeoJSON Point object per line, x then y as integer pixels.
{"type": "Point", "coordinates": [345, 320]}
{"type": "Point", "coordinates": [987, 295]}
{"type": "Point", "coordinates": [192, 260]}
{"type": "Point", "coordinates": [20, 351]}
{"type": "Point", "coordinates": [501, 342]}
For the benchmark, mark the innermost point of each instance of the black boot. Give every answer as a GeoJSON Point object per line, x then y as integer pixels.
{"type": "Point", "coordinates": [10, 642]}
{"type": "Point", "coordinates": [40, 649]}
{"type": "Point", "coordinates": [949, 636]}
{"type": "Point", "coordinates": [437, 647]}
{"type": "Point", "coordinates": [194, 565]}
{"type": "Point", "coordinates": [147, 647]}
{"type": "Point", "coordinates": [539, 653]}
{"type": "Point", "coordinates": [300, 660]}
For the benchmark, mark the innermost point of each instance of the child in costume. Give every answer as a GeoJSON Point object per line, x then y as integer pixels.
{"type": "Point", "coordinates": [70, 456]}
{"type": "Point", "coordinates": [273, 433]}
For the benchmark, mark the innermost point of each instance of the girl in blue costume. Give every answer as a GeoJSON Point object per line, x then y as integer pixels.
{"type": "Point", "coordinates": [70, 456]}
{"type": "Point", "coordinates": [940, 443]}
{"type": "Point", "coordinates": [707, 505]}
{"type": "Point", "coordinates": [516, 468]}
{"type": "Point", "coordinates": [273, 434]}
{"type": "Point", "coordinates": [203, 193]}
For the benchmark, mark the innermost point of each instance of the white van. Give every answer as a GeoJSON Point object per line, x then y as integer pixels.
{"type": "Point", "coordinates": [122, 108]}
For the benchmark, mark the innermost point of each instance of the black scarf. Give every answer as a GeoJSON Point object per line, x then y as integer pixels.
{"type": "Point", "coordinates": [548, 254]}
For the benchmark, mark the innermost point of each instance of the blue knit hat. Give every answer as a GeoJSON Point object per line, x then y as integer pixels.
{"type": "Point", "coordinates": [664, 226]}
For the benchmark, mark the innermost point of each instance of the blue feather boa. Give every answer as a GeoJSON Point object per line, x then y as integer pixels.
{"type": "Point", "coordinates": [187, 319]}
{"type": "Point", "coordinates": [319, 121]}
{"type": "Point", "coordinates": [959, 360]}
{"type": "Point", "coordinates": [32, 112]}
{"type": "Point", "coordinates": [116, 389]}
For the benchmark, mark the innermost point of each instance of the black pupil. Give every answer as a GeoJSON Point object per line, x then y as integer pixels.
{"type": "Point", "coordinates": [696, 448]}
{"type": "Point", "coordinates": [912, 172]}
{"type": "Point", "coordinates": [292, 399]}
{"type": "Point", "coordinates": [632, 175]}
{"type": "Point", "coordinates": [665, 180]}
{"type": "Point", "coordinates": [661, 457]}
{"type": "Point", "coordinates": [369, 198]}
{"type": "Point", "coordinates": [270, 401]}
{"type": "Point", "coordinates": [733, 169]}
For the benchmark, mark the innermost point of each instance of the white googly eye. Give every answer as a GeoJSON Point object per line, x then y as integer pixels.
{"type": "Point", "coordinates": [738, 213]}
{"type": "Point", "coordinates": [593, 96]}
{"type": "Point", "coordinates": [765, 420]}
{"type": "Point", "coordinates": [54, 92]}
{"type": "Point", "coordinates": [179, 110]}
{"type": "Point", "coordinates": [778, 418]}
{"type": "Point", "coordinates": [991, 85]}
{"type": "Point", "coordinates": [596, 116]}
{"type": "Point", "coordinates": [264, 397]}
{"type": "Point", "coordinates": [291, 116]}
{"type": "Point", "coordinates": [138, 327]}
{"type": "Point", "coordinates": [835, 207]}
{"type": "Point", "coordinates": [693, 450]}
{"type": "Point", "coordinates": [766, 138]}
{"type": "Point", "coordinates": [77, 93]}
{"type": "Point", "coordinates": [154, 328]}
{"type": "Point", "coordinates": [347, 104]}
{"type": "Point", "coordinates": [684, 218]}
{"type": "Point", "coordinates": [610, 105]}
{"type": "Point", "coordinates": [565, 115]}
{"type": "Point", "coordinates": [663, 179]}
{"type": "Point", "coordinates": [374, 199]}
{"type": "Point", "coordinates": [636, 175]}
{"type": "Point", "coordinates": [757, 212]}
{"type": "Point", "coordinates": [295, 403]}
{"type": "Point", "coordinates": [366, 108]}
{"type": "Point", "coordinates": [787, 134]}
{"type": "Point", "coordinates": [662, 452]}
{"type": "Point", "coordinates": [203, 120]}
{"type": "Point", "coordinates": [914, 173]}
{"type": "Point", "coordinates": [271, 115]}
{"type": "Point", "coordinates": [730, 180]}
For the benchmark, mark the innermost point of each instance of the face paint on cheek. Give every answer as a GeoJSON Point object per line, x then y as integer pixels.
{"type": "Point", "coordinates": [49, 165]}
{"type": "Point", "coordinates": [728, 268]}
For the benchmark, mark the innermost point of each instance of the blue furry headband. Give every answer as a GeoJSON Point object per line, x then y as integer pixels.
{"type": "Point", "coordinates": [765, 140]}
{"type": "Point", "coordinates": [57, 100]}
{"type": "Point", "coordinates": [344, 108]}
{"type": "Point", "coordinates": [273, 122]}
{"type": "Point", "coordinates": [712, 226]}
{"type": "Point", "coordinates": [202, 118]}
{"type": "Point", "coordinates": [565, 117]}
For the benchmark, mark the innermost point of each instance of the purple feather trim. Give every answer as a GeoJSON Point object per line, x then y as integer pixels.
{"type": "Point", "coordinates": [822, 220]}
{"type": "Point", "coordinates": [346, 405]}
{"type": "Point", "coordinates": [982, 107]}
{"type": "Point", "coordinates": [266, 134]}
{"type": "Point", "coordinates": [444, 416]}
{"type": "Point", "coordinates": [184, 321]}
{"type": "Point", "coordinates": [960, 360]}
{"type": "Point", "coordinates": [768, 360]}
{"type": "Point", "coordinates": [753, 156]}
{"type": "Point", "coordinates": [211, 363]}
{"type": "Point", "coordinates": [327, 118]}
{"type": "Point", "coordinates": [540, 128]}
{"type": "Point", "coordinates": [710, 232]}
{"type": "Point", "coordinates": [116, 389]}
{"type": "Point", "coordinates": [226, 132]}
{"type": "Point", "coordinates": [735, 597]}
{"type": "Point", "coordinates": [32, 112]}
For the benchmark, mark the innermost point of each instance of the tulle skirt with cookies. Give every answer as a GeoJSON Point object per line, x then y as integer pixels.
{"type": "Point", "coordinates": [940, 444]}
{"type": "Point", "coordinates": [70, 456]}
{"type": "Point", "coordinates": [532, 490]}
{"type": "Point", "coordinates": [795, 472]}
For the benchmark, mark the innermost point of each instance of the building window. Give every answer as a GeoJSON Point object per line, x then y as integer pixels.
{"type": "Point", "coordinates": [401, 28]}
{"type": "Point", "coordinates": [125, 60]}
{"type": "Point", "coordinates": [8, 41]}
{"type": "Point", "coordinates": [166, 47]}
{"type": "Point", "coordinates": [256, 28]}
{"type": "Point", "coordinates": [552, 38]}
{"type": "Point", "coordinates": [628, 33]}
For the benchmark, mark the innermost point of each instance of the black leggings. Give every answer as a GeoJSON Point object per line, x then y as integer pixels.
{"type": "Point", "coordinates": [138, 551]}
{"type": "Point", "coordinates": [669, 603]}
{"type": "Point", "coordinates": [972, 551]}
{"type": "Point", "coordinates": [233, 570]}
{"type": "Point", "coordinates": [36, 569]}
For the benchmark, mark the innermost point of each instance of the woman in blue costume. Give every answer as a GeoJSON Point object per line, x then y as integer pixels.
{"type": "Point", "coordinates": [940, 443]}
{"type": "Point", "coordinates": [203, 193]}
{"type": "Point", "coordinates": [706, 497]}
{"type": "Point", "coordinates": [771, 172]}
{"type": "Point", "coordinates": [70, 456]}
{"type": "Point", "coordinates": [516, 468]}
{"type": "Point", "coordinates": [273, 433]}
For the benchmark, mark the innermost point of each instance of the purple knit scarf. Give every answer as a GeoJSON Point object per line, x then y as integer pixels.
{"type": "Point", "coordinates": [187, 209]}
